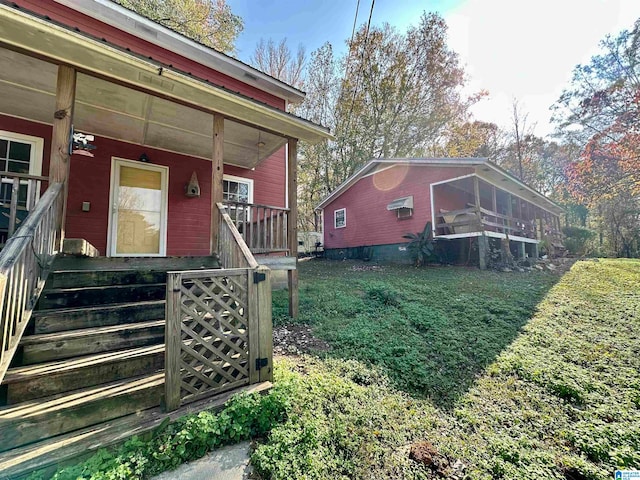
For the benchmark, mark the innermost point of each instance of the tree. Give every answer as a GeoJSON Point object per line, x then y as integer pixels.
{"type": "Point", "coordinates": [392, 95]}
{"type": "Point", "coordinates": [209, 22]}
{"type": "Point", "coordinates": [317, 176]}
{"type": "Point", "coordinates": [279, 61]}
{"type": "Point", "coordinates": [399, 94]}
{"type": "Point", "coordinates": [600, 113]}
{"type": "Point", "coordinates": [474, 139]}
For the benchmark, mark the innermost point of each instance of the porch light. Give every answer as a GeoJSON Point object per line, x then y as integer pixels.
{"type": "Point", "coordinates": [260, 144]}
{"type": "Point", "coordinates": [144, 158]}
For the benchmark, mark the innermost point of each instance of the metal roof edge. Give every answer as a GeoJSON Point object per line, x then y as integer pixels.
{"type": "Point", "coordinates": [457, 161]}
{"type": "Point", "coordinates": [127, 20]}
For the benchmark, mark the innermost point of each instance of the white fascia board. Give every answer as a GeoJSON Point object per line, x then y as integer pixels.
{"type": "Point", "coordinates": [111, 13]}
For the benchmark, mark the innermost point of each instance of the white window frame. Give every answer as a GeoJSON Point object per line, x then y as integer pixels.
{"type": "Point", "coordinates": [35, 161]}
{"type": "Point", "coordinates": [234, 178]}
{"type": "Point", "coordinates": [335, 218]}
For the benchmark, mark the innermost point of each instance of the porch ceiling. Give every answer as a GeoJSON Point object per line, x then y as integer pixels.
{"type": "Point", "coordinates": [107, 109]}
{"type": "Point", "coordinates": [141, 116]}
{"type": "Point", "coordinates": [506, 182]}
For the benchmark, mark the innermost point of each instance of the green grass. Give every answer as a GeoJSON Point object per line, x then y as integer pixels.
{"type": "Point", "coordinates": [430, 330]}
{"type": "Point", "coordinates": [550, 389]}
{"type": "Point", "coordinates": [560, 401]}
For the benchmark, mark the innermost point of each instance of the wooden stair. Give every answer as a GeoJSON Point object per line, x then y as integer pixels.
{"type": "Point", "coordinates": [93, 354]}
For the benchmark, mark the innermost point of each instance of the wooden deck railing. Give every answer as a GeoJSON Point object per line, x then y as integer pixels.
{"type": "Point", "coordinates": [18, 194]}
{"type": "Point", "coordinates": [24, 264]}
{"type": "Point", "coordinates": [508, 224]}
{"type": "Point", "coordinates": [263, 227]}
{"type": "Point", "coordinates": [232, 249]}
{"type": "Point", "coordinates": [474, 219]}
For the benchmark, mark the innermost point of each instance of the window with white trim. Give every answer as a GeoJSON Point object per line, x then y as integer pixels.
{"type": "Point", "coordinates": [19, 154]}
{"type": "Point", "coordinates": [340, 218]}
{"type": "Point", "coordinates": [240, 190]}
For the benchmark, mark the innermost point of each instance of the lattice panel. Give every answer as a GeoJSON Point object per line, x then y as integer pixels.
{"type": "Point", "coordinates": [214, 351]}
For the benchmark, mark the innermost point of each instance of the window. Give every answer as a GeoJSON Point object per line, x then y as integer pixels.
{"type": "Point", "coordinates": [340, 218]}
{"type": "Point", "coordinates": [237, 190]}
{"type": "Point", "coordinates": [19, 154]}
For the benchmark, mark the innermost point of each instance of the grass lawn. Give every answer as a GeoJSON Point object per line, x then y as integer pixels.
{"type": "Point", "coordinates": [434, 373]}
{"type": "Point", "coordinates": [480, 375]}
{"type": "Point", "coordinates": [431, 331]}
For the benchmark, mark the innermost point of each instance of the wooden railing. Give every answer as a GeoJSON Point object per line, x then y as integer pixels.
{"type": "Point", "coordinates": [24, 264]}
{"type": "Point", "coordinates": [478, 219]}
{"type": "Point", "coordinates": [232, 249]}
{"type": "Point", "coordinates": [263, 227]}
{"type": "Point", "coordinates": [508, 224]}
{"type": "Point", "coordinates": [19, 193]}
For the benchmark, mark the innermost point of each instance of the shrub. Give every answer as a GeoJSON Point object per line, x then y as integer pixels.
{"type": "Point", "coordinates": [576, 239]}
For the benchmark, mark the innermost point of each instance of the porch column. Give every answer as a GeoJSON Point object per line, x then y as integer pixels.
{"type": "Point", "coordinates": [59, 163]}
{"type": "Point", "coordinates": [521, 250]}
{"type": "Point", "coordinates": [483, 251]}
{"type": "Point", "coordinates": [217, 171]}
{"type": "Point", "coordinates": [292, 224]}
{"type": "Point", "coordinates": [476, 189]}
{"type": "Point", "coordinates": [509, 213]}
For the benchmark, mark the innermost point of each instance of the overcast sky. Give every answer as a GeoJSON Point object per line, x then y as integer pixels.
{"type": "Point", "coordinates": [513, 48]}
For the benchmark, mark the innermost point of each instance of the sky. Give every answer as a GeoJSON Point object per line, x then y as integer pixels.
{"type": "Point", "coordinates": [522, 49]}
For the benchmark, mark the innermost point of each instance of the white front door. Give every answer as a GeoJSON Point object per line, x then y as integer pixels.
{"type": "Point", "coordinates": [138, 221]}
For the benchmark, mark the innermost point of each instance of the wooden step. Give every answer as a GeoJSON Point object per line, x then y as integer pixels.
{"type": "Point", "coordinates": [46, 379]}
{"type": "Point", "coordinates": [47, 417]}
{"type": "Point", "coordinates": [62, 319]}
{"type": "Point", "coordinates": [57, 346]}
{"type": "Point", "coordinates": [70, 447]}
{"type": "Point", "coordinates": [136, 263]}
{"type": "Point", "coordinates": [97, 278]}
{"type": "Point", "coordinates": [104, 295]}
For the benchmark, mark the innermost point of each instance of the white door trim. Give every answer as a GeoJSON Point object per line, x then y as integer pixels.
{"type": "Point", "coordinates": [112, 221]}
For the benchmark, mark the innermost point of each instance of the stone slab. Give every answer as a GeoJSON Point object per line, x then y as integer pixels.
{"type": "Point", "coordinates": [227, 463]}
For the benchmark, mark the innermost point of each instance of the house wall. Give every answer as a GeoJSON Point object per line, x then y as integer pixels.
{"type": "Point", "coordinates": [86, 24]}
{"type": "Point", "coordinates": [189, 219]}
{"type": "Point", "coordinates": [368, 221]}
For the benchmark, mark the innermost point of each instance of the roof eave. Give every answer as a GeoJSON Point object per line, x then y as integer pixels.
{"type": "Point", "coordinates": [58, 44]}
{"type": "Point", "coordinates": [131, 22]}
{"type": "Point", "coordinates": [470, 162]}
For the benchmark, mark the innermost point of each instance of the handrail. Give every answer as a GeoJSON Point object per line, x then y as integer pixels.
{"type": "Point", "coordinates": [232, 249]}
{"type": "Point", "coordinates": [24, 266]}
{"type": "Point", "coordinates": [18, 180]}
{"type": "Point", "coordinates": [24, 176]}
{"type": "Point", "coordinates": [262, 227]}
{"type": "Point", "coordinates": [256, 205]}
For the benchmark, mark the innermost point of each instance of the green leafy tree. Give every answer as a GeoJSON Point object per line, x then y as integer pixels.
{"type": "Point", "coordinates": [600, 113]}
{"type": "Point", "coordinates": [210, 22]}
{"type": "Point", "coordinates": [399, 94]}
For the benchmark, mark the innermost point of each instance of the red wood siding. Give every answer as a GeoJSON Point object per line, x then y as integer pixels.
{"type": "Point", "coordinates": [188, 218]}
{"type": "Point", "coordinates": [86, 24]}
{"type": "Point", "coordinates": [269, 179]}
{"type": "Point", "coordinates": [368, 221]}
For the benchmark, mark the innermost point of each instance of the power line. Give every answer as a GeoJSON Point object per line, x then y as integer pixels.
{"type": "Point", "coordinates": [364, 49]}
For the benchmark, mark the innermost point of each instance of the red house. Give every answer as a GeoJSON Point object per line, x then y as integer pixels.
{"type": "Point", "coordinates": [463, 198]}
{"type": "Point", "coordinates": [159, 154]}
